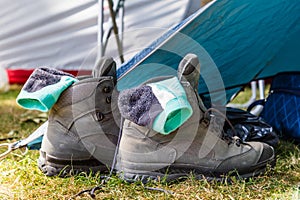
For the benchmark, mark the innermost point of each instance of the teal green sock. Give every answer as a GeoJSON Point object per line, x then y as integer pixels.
{"type": "Point", "coordinates": [176, 107]}
{"type": "Point", "coordinates": [43, 88]}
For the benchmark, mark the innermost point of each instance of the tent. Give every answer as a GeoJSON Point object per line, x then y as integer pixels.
{"type": "Point", "coordinates": [65, 34]}
{"type": "Point", "coordinates": [237, 41]}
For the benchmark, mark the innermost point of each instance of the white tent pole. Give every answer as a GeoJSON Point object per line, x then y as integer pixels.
{"type": "Point", "coordinates": [261, 86]}
{"type": "Point", "coordinates": [100, 29]}
{"type": "Point", "coordinates": [122, 21]}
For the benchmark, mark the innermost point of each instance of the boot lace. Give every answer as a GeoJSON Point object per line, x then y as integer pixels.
{"type": "Point", "coordinates": [105, 179]}
{"type": "Point", "coordinates": [215, 116]}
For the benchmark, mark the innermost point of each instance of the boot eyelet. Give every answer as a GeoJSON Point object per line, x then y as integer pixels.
{"type": "Point", "coordinates": [106, 90]}
{"type": "Point", "coordinates": [205, 122]}
{"type": "Point", "coordinates": [108, 100]}
{"type": "Point", "coordinates": [100, 116]}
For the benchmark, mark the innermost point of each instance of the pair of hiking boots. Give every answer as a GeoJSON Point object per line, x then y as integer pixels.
{"type": "Point", "coordinates": [87, 133]}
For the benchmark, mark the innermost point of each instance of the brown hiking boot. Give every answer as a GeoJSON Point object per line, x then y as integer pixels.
{"type": "Point", "coordinates": [82, 132]}
{"type": "Point", "coordinates": [196, 147]}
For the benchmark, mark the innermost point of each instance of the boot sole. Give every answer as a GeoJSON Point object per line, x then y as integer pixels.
{"type": "Point", "coordinates": [181, 172]}
{"type": "Point", "coordinates": [52, 166]}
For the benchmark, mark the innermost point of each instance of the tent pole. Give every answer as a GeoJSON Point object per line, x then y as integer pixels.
{"type": "Point", "coordinates": [100, 29]}
{"type": "Point", "coordinates": [115, 29]}
{"type": "Point", "coordinates": [121, 7]}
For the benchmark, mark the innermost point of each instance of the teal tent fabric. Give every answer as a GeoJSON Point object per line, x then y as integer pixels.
{"type": "Point", "coordinates": [288, 57]}
{"type": "Point", "coordinates": [236, 41]}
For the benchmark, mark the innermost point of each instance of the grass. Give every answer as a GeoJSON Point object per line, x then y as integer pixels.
{"type": "Point", "coordinates": [20, 177]}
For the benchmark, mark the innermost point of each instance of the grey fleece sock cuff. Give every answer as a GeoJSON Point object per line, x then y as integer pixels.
{"type": "Point", "coordinates": [139, 105]}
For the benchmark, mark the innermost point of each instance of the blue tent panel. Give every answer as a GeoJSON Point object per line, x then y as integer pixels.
{"type": "Point", "coordinates": [236, 41]}
{"type": "Point", "coordinates": [287, 59]}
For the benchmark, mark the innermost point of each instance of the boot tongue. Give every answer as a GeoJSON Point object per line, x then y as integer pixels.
{"type": "Point", "coordinates": [105, 66]}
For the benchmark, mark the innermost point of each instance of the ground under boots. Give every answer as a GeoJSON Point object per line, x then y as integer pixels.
{"type": "Point", "coordinates": [196, 147]}
{"type": "Point", "coordinates": [82, 132]}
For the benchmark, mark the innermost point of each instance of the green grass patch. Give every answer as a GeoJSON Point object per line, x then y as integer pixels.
{"type": "Point", "coordinates": [20, 177]}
